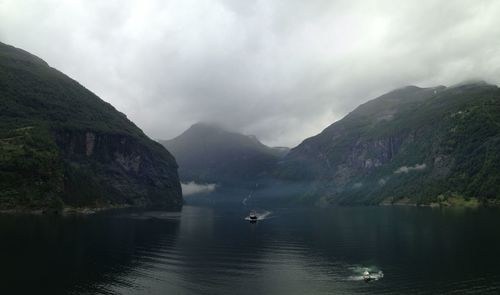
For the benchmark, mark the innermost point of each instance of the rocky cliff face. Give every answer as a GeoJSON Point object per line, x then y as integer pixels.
{"type": "Point", "coordinates": [62, 145]}
{"type": "Point", "coordinates": [412, 144]}
{"type": "Point", "coordinates": [124, 170]}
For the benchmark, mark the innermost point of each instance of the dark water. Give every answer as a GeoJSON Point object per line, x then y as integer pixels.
{"type": "Point", "coordinates": [204, 250]}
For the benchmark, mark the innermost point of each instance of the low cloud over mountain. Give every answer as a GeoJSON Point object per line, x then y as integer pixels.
{"type": "Point", "coordinates": [282, 70]}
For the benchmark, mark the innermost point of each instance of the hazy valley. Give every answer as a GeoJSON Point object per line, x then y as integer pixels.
{"type": "Point", "coordinates": [249, 147]}
{"type": "Point", "coordinates": [427, 146]}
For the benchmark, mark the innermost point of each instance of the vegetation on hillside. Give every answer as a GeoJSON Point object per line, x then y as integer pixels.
{"type": "Point", "coordinates": [411, 144]}
{"type": "Point", "coordinates": [40, 109]}
{"type": "Point", "coordinates": [30, 169]}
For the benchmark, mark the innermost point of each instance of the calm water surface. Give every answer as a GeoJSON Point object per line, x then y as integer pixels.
{"type": "Point", "coordinates": [204, 250]}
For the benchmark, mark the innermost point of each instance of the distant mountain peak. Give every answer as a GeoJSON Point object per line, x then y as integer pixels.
{"type": "Point", "coordinates": [209, 153]}
{"type": "Point", "coordinates": [207, 129]}
{"type": "Point", "coordinates": [472, 82]}
{"type": "Point", "coordinates": [202, 124]}
{"type": "Point", "coordinates": [408, 88]}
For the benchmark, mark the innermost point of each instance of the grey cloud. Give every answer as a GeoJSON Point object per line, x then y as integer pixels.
{"type": "Point", "coordinates": [282, 70]}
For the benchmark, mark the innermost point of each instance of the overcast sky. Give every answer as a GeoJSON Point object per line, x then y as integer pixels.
{"type": "Point", "coordinates": [282, 70]}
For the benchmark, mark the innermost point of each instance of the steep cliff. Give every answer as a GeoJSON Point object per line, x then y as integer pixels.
{"type": "Point", "coordinates": [412, 145]}
{"type": "Point", "coordinates": [62, 145]}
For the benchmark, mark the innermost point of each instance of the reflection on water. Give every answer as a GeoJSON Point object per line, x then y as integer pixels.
{"type": "Point", "coordinates": [44, 255]}
{"type": "Point", "coordinates": [204, 250]}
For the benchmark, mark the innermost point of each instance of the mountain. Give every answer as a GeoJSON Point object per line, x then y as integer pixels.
{"type": "Point", "coordinates": [61, 145]}
{"type": "Point", "coordinates": [412, 145]}
{"type": "Point", "coordinates": [209, 154]}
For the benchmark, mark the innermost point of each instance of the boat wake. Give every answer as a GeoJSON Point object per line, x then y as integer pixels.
{"type": "Point", "coordinates": [247, 198]}
{"type": "Point", "coordinates": [244, 202]}
{"type": "Point", "coordinates": [358, 273]}
{"type": "Point", "coordinates": [261, 215]}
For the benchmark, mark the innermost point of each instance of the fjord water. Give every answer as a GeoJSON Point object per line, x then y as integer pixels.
{"type": "Point", "coordinates": [206, 250]}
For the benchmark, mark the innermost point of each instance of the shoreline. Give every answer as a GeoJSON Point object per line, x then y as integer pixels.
{"type": "Point", "coordinates": [84, 211]}
{"type": "Point", "coordinates": [67, 210]}
{"type": "Point", "coordinates": [448, 203]}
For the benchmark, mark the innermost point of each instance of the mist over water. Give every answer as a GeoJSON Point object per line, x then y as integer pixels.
{"type": "Point", "coordinates": [193, 188]}
{"type": "Point", "coordinates": [208, 250]}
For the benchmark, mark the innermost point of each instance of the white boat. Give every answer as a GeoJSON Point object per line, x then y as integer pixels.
{"type": "Point", "coordinates": [252, 217]}
{"type": "Point", "coordinates": [366, 276]}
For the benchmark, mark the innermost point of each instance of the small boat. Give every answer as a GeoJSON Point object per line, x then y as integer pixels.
{"type": "Point", "coordinates": [252, 217]}
{"type": "Point", "coordinates": [366, 276]}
